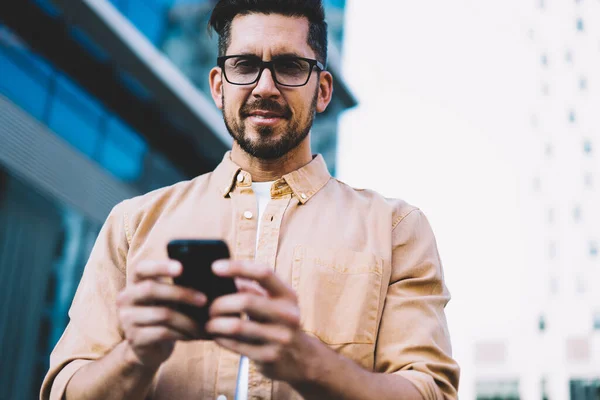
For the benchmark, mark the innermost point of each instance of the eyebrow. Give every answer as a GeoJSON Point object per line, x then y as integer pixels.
{"type": "Point", "coordinates": [275, 57]}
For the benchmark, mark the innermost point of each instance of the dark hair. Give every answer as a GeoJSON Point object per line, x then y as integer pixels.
{"type": "Point", "coordinates": [226, 10]}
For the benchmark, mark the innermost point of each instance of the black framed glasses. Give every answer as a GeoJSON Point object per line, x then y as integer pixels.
{"type": "Point", "coordinates": [286, 70]}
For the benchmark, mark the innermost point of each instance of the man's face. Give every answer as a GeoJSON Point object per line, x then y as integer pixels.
{"type": "Point", "coordinates": [266, 119]}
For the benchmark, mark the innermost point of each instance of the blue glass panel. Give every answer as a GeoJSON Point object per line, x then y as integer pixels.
{"type": "Point", "coordinates": [119, 162]}
{"type": "Point", "coordinates": [25, 86]}
{"type": "Point", "coordinates": [123, 151]}
{"type": "Point", "coordinates": [336, 3]}
{"type": "Point", "coordinates": [119, 4]}
{"type": "Point", "coordinates": [76, 117]}
{"type": "Point", "coordinates": [16, 47]}
{"type": "Point", "coordinates": [148, 18]}
{"type": "Point", "coordinates": [48, 7]}
{"type": "Point", "coordinates": [96, 51]}
{"type": "Point", "coordinates": [123, 135]}
{"type": "Point", "coordinates": [134, 85]}
{"type": "Point", "coordinates": [171, 3]}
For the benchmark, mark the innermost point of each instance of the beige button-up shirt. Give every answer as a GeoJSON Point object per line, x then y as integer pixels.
{"type": "Point", "coordinates": [366, 270]}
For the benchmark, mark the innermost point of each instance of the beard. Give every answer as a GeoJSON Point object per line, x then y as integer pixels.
{"type": "Point", "coordinates": [270, 146]}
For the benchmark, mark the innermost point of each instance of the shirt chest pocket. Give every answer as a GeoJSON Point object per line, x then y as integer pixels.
{"type": "Point", "coordinates": [339, 293]}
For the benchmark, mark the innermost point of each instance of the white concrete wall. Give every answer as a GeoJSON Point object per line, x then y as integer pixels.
{"type": "Point", "coordinates": [445, 122]}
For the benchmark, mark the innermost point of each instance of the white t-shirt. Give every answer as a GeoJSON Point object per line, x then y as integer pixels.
{"type": "Point", "coordinates": [262, 190]}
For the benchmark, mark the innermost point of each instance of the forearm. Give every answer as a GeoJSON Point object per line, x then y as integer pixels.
{"type": "Point", "coordinates": [114, 376]}
{"type": "Point", "coordinates": [336, 377]}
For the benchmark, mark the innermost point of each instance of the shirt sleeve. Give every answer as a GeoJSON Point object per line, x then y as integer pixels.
{"type": "Point", "coordinates": [93, 329]}
{"type": "Point", "coordinates": [413, 339]}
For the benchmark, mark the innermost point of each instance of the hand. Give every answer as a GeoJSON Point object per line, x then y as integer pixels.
{"type": "Point", "coordinates": [271, 337]}
{"type": "Point", "coordinates": [150, 326]}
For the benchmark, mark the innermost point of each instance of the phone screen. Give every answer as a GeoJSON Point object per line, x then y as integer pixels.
{"type": "Point", "coordinates": [196, 257]}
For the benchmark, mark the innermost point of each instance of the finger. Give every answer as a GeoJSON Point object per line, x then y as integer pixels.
{"type": "Point", "coordinates": [248, 286]}
{"type": "Point", "coordinates": [150, 335]}
{"type": "Point", "coordinates": [265, 277]}
{"type": "Point", "coordinates": [258, 308]}
{"type": "Point", "coordinates": [256, 352]}
{"type": "Point", "coordinates": [160, 316]}
{"type": "Point", "coordinates": [249, 331]}
{"type": "Point", "coordinates": [156, 270]}
{"type": "Point", "coordinates": [151, 293]}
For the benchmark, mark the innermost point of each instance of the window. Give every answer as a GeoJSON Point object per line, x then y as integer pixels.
{"type": "Point", "coordinates": [537, 184]}
{"type": "Point", "coordinates": [578, 349]}
{"type": "Point", "coordinates": [134, 85]}
{"type": "Point", "coordinates": [490, 352]}
{"type": "Point", "coordinates": [551, 216]}
{"type": "Point", "coordinates": [542, 324]}
{"type": "Point", "coordinates": [593, 249]}
{"type": "Point", "coordinates": [548, 150]}
{"type": "Point", "coordinates": [25, 78]}
{"type": "Point", "coordinates": [545, 89]}
{"type": "Point", "coordinates": [552, 250]}
{"type": "Point", "coordinates": [76, 116]}
{"type": "Point", "coordinates": [582, 83]}
{"type": "Point", "coordinates": [534, 120]}
{"type": "Point", "coordinates": [587, 147]}
{"type": "Point", "coordinates": [553, 285]}
{"type": "Point", "coordinates": [544, 60]}
{"type": "Point", "coordinates": [569, 56]}
{"type": "Point", "coordinates": [48, 7]}
{"type": "Point", "coordinates": [148, 18]}
{"type": "Point", "coordinates": [497, 390]}
{"type": "Point", "coordinates": [584, 389]}
{"type": "Point", "coordinates": [544, 385]}
{"type": "Point", "coordinates": [597, 321]}
{"type": "Point", "coordinates": [123, 151]}
{"type": "Point", "coordinates": [91, 46]}
{"type": "Point", "coordinates": [572, 116]}
{"type": "Point", "coordinates": [588, 180]}
{"type": "Point", "coordinates": [577, 213]}
{"type": "Point", "coordinates": [579, 24]}
{"type": "Point", "coordinates": [580, 286]}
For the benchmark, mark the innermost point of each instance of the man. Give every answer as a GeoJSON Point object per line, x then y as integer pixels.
{"type": "Point", "coordinates": [344, 289]}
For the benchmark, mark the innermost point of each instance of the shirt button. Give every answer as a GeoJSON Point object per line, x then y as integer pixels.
{"type": "Point", "coordinates": [303, 195]}
{"type": "Point", "coordinates": [221, 397]}
{"type": "Point", "coordinates": [240, 178]}
{"type": "Point", "coordinates": [248, 214]}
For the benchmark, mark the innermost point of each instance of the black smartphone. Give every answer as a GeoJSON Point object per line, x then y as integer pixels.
{"type": "Point", "coordinates": [196, 257]}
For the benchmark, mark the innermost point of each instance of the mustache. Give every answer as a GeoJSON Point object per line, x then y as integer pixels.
{"type": "Point", "coordinates": [266, 105]}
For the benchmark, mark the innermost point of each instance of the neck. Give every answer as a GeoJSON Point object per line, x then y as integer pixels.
{"type": "Point", "coordinates": [271, 170]}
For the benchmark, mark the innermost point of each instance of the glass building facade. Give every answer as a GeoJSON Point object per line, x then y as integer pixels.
{"type": "Point", "coordinates": [85, 122]}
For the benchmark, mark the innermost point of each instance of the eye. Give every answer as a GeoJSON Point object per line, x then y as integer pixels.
{"type": "Point", "coordinates": [290, 64]}
{"type": "Point", "coordinates": [243, 63]}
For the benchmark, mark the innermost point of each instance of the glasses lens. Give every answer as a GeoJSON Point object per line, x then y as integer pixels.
{"type": "Point", "coordinates": [242, 70]}
{"type": "Point", "coordinates": [291, 71]}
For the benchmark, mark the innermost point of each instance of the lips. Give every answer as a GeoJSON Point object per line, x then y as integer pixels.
{"type": "Point", "coordinates": [265, 114]}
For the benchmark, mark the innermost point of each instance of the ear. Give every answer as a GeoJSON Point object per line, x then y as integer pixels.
{"type": "Point", "coordinates": [215, 79]}
{"type": "Point", "coordinates": [325, 91]}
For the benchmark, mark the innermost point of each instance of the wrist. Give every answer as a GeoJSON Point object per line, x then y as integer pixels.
{"type": "Point", "coordinates": [132, 364]}
{"type": "Point", "coordinates": [318, 366]}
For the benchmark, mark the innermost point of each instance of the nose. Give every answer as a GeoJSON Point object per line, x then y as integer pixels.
{"type": "Point", "coordinates": [266, 87]}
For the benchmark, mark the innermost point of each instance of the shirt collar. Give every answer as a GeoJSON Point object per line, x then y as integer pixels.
{"type": "Point", "coordinates": [304, 182]}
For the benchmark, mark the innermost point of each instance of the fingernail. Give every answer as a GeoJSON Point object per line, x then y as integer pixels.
{"type": "Point", "coordinates": [200, 299]}
{"type": "Point", "coordinates": [174, 267]}
{"type": "Point", "coordinates": [220, 266]}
